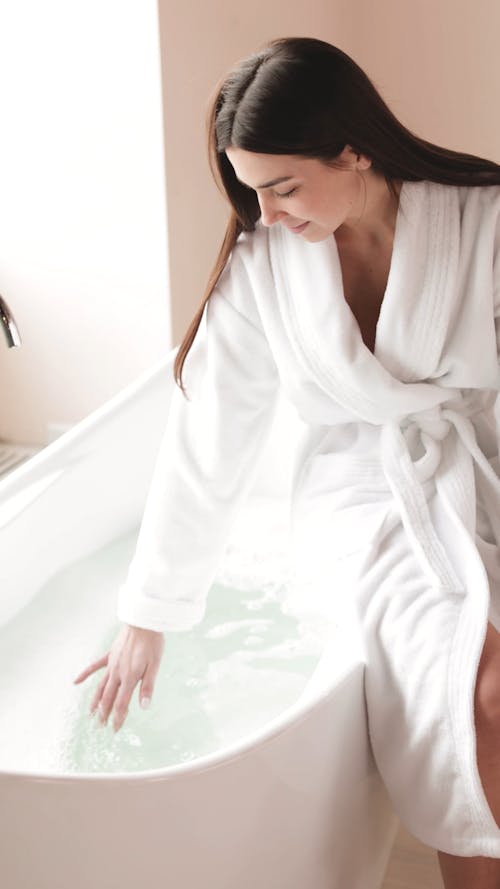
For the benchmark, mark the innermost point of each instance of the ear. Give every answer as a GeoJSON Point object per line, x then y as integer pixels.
{"type": "Point", "coordinates": [354, 159]}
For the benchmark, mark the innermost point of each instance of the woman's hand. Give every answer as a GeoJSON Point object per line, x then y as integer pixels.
{"type": "Point", "coordinates": [134, 657]}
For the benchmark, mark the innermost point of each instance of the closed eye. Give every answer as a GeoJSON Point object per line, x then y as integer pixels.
{"type": "Point", "coordinates": [286, 194]}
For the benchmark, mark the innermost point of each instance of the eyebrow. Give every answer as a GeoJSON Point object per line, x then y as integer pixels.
{"type": "Point", "coordinates": [269, 184]}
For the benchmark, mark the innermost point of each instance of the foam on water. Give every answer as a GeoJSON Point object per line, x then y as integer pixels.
{"type": "Point", "coordinates": [246, 662]}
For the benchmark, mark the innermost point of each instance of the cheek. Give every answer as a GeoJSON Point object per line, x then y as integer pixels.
{"type": "Point", "coordinates": [341, 203]}
{"type": "Point", "coordinates": [330, 207]}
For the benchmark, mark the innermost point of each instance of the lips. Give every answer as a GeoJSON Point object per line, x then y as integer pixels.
{"type": "Point", "coordinates": [297, 228]}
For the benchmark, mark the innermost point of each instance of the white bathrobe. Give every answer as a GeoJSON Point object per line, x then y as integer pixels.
{"type": "Point", "coordinates": [395, 504]}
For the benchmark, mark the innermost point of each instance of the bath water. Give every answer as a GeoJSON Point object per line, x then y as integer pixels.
{"type": "Point", "coordinates": [245, 663]}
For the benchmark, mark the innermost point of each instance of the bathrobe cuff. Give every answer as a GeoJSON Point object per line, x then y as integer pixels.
{"type": "Point", "coordinates": [150, 613]}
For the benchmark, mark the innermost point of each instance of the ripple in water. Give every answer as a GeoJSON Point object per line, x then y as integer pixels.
{"type": "Point", "coordinates": [219, 682]}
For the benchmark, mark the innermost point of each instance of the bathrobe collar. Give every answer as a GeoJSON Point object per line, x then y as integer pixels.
{"type": "Point", "coordinates": [413, 320]}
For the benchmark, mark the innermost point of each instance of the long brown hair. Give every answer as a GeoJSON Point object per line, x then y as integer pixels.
{"type": "Point", "coordinates": [303, 96]}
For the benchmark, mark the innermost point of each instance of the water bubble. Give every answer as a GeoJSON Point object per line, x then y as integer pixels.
{"type": "Point", "coordinates": [252, 641]}
{"type": "Point", "coordinates": [193, 682]}
{"type": "Point", "coordinates": [255, 605]}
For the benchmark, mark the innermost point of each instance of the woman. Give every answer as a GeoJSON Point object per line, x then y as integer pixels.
{"type": "Point", "coordinates": [361, 272]}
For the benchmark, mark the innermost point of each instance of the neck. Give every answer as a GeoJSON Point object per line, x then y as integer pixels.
{"type": "Point", "coordinates": [374, 216]}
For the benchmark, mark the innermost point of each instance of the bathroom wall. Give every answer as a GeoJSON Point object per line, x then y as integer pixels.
{"type": "Point", "coordinates": [103, 274]}
{"type": "Point", "coordinates": [436, 63]}
{"type": "Point", "coordinates": [83, 258]}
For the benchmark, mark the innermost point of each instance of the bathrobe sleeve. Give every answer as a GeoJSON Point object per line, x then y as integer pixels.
{"type": "Point", "coordinates": [207, 461]}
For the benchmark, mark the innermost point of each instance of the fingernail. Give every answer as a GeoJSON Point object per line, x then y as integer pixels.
{"type": "Point", "coordinates": [145, 702]}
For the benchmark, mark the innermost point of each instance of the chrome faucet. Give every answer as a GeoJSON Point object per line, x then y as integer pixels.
{"type": "Point", "coordinates": [9, 325]}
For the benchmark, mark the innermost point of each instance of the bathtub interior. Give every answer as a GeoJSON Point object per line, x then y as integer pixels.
{"type": "Point", "coordinates": [69, 519]}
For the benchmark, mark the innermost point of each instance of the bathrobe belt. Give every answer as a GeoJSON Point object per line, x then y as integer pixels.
{"type": "Point", "coordinates": [450, 447]}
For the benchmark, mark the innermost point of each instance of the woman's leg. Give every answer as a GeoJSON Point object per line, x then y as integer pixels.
{"type": "Point", "coordinates": [482, 873]}
{"type": "Point", "coordinates": [469, 873]}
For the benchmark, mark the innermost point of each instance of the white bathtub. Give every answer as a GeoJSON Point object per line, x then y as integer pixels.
{"type": "Point", "coordinates": [298, 804]}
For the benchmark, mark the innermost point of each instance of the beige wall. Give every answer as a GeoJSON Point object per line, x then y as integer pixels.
{"type": "Point", "coordinates": [436, 63]}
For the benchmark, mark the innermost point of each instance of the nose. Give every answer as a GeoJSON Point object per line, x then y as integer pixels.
{"type": "Point", "coordinates": [269, 214]}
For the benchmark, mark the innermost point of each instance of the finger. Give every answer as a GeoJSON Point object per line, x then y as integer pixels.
{"type": "Point", "coordinates": [102, 662]}
{"type": "Point", "coordinates": [108, 699]}
{"type": "Point", "coordinates": [98, 693]}
{"type": "Point", "coordinates": [148, 683]}
{"type": "Point", "coordinates": [122, 704]}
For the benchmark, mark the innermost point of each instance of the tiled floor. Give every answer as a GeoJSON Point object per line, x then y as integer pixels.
{"type": "Point", "coordinates": [412, 865]}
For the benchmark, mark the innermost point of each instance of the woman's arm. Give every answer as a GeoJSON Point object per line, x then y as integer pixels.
{"type": "Point", "coordinates": [207, 463]}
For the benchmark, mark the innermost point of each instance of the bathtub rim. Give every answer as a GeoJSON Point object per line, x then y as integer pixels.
{"type": "Point", "coordinates": [295, 714]}
{"type": "Point", "coordinates": [13, 482]}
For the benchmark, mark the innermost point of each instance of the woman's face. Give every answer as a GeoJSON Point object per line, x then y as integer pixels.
{"type": "Point", "coordinates": [311, 199]}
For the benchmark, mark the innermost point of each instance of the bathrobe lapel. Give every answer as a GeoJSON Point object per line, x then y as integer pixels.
{"type": "Point", "coordinates": [413, 320]}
